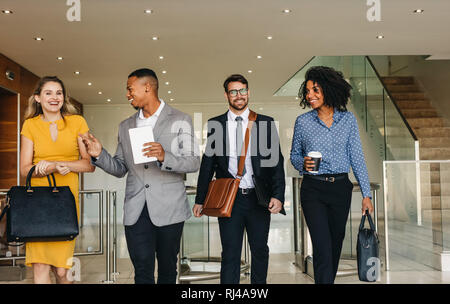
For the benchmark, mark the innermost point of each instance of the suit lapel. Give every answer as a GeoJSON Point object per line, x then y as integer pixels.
{"type": "Point", "coordinates": [161, 122]}
{"type": "Point", "coordinates": [226, 146]}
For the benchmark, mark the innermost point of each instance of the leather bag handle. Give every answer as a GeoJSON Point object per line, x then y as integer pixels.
{"type": "Point", "coordinates": [251, 119]}
{"type": "Point", "coordinates": [369, 218]}
{"type": "Point", "coordinates": [28, 180]}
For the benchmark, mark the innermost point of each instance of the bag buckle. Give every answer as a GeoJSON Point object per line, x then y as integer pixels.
{"type": "Point", "coordinates": [330, 179]}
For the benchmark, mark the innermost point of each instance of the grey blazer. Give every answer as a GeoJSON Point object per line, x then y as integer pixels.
{"type": "Point", "coordinates": [161, 185]}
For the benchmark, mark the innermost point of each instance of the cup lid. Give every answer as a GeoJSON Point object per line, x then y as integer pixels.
{"type": "Point", "coordinates": [314, 154]}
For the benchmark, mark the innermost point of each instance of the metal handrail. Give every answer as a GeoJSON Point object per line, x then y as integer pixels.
{"type": "Point", "coordinates": [392, 99]}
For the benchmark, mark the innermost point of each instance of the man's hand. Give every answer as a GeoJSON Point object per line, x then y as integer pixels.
{"type": "Point", "coordinates": [93, 146]}
{"type": "Point", "coordinates": [275, 205]}
{"type": "Point", "coordinates": [197, 210]}
{"type": "Point", "coordinates": [154, 149]}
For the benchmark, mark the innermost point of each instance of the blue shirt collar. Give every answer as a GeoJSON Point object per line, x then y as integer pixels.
{"type": "Point", "coordinates": [337, 115]}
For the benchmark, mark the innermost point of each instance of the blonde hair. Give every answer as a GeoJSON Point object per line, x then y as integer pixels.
{"type": "Point", "coordinates": [34, 108]}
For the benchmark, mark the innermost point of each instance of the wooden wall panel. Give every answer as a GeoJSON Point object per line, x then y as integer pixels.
{"type": "Point", "coordinates": [5, 65]}
{"type": "Point", "coordinates": [8, 139]}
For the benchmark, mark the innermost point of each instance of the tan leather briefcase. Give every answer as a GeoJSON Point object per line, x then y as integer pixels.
{"type": "Point", "coordinates": [222, 191]}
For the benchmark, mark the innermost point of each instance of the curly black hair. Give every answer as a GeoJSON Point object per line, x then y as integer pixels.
{"type": "Point", "coordinates": [336, 90]}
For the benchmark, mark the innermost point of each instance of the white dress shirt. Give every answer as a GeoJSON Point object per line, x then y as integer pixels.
{"type": "Point", "coordinates": [141, 121]}
{"type": "Point", "coordinates": [246, 181]}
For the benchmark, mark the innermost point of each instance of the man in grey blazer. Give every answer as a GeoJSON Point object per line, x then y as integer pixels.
{"type": "Point", "coordinates": [156, 204]}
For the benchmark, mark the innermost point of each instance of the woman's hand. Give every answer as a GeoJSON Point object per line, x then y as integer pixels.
{"type": "Point", "coordinates": [308, 163]}
{"type": "Point", "coordinates": [61, 169]}
{"type": "Point", "coordinates": [44, 168]}
{"type": "Point", "coordinates": [366, 205]}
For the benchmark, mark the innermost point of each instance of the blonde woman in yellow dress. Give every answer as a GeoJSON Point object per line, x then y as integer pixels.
{"type": "Point", "coordinates": [50, 140]}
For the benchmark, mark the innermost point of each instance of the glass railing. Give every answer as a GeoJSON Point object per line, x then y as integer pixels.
{"type": "Point", "coordinates": [417, 209]}
{"type": "Point", "coordinates": [391, 136]}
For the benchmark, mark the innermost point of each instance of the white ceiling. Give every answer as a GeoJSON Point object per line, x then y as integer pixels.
{"type": "Point", "coordinates": [204, 41]}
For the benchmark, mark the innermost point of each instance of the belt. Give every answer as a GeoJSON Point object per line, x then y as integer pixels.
{"type": "Point", "coordinates": [327, 178]}
{"type": "Point", "coordinates": [246, 191]}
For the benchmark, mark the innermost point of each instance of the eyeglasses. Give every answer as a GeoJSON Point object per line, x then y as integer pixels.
{"type": "Point", "coordinates": [243, 92]}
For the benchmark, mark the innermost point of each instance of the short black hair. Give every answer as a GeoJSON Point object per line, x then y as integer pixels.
{"type": "Point", "coordinates": [233, 78]}
{"type": "Point", "coordinates": [336, 90]}
{"type": "Point", "coordinates": [141, 73]}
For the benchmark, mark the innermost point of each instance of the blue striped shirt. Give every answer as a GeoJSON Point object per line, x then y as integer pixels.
{"type": "Point", "coordinates": [340, 146]}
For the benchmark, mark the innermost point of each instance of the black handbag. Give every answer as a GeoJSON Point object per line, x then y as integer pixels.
{"type": "Point", "coordinates": [40, 213]}
{"type": "Point", "coordinates": [367, 251]}
{"type": "Point", "coordinates": [262, 190]}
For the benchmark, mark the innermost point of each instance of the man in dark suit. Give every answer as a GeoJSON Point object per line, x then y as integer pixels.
{"type": "Point", "coordinates": [263, 160]}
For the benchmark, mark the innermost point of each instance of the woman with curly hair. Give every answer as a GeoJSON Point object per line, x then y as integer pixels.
{"type": "Point", "coordinates": [326, 195]}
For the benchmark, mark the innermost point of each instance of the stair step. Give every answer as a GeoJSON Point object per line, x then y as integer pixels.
{"type": "Point", "coordinates": [435, 189]}
{"type": "Point", "coordinates": [419, 113]}
{"type": "Point", "coordinates": [402, 88]}
{"type": "Point", "coordinates": [434, 142]}
{"type": "Point", "coordinates": [426, 122]}
{"type": "Point", "coordinates": [408, 96]}
{"type": "Point", "coordinates": [434, 153]}
{"type": "Point", "coordinates": [435, 203]}
{"type": "Point", "coordinates": [432, 132]}
{"type": "Point", "coordinates": [414, 104]}
{"type": "Point", "coordinates": [398, 80]}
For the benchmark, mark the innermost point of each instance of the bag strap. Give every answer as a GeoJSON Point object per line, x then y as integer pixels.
{"type": "Point", "coordinates": [369, 218]}
{"type": "Point", "coordinates": [28, 180]}
{"type": "Point", "coordinates": [251, 119]}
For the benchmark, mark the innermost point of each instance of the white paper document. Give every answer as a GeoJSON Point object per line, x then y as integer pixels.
{"type": "Point", "coordinates": [138, 137]}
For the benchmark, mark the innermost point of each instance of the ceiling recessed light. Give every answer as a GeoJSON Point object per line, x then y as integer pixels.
{"type": "Point", "coordinates": [164, 72]}
{"type": "Point", "coordinates": [418, 11]}
{"type": "Point", "coordinates": [167, 83]}
{"type": "Point", "coordinates": [108, 100]}
{"type": "Point", "coordinates": [259, 56]}
{"type": "Point", "coordinates": [155, 38]}
{"type": "Point", "coordinates": [59, 58]}
{"type": "Point", "coordinates": [380, 37]}
{"type": "Point", "coordinates": [170, 92]}
{"type": "Point", "coordinates": [269, 37]}
{"type": "Point", "coordinates": [161, 57]}
{"type": "Point", "coordinates": [148, 11]}
{"type": "Point", "coordinates": [89, 83]}
{"type": "Point", "coordinates": [287, 11]}
{"type": "Point", "coordinates": [171, 99]}
{"type": "Point", "coordinates": [8, 12]}
{"type": "Point", "coordinates": [250, 71]}
{"type": "Point", "coordinates": [77, 72]}
{"type": "Point", "coordinates": [100, 93]}
{"type": "Point", "coordinates": [38, 38]}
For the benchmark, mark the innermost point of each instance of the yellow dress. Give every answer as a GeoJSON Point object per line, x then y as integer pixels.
{"type": "Point", "coordinates": [65, 148]}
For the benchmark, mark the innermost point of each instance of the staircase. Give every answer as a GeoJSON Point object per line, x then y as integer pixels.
{"type": "Point", "coordinates": [433, 133]}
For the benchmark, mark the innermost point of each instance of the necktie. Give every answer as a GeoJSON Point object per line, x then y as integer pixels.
{"type": "Point", "coordinates": [239, 140]}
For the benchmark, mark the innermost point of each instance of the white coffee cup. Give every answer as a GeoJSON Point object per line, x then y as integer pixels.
{"type": "Point", "coordinates": [317, 158]}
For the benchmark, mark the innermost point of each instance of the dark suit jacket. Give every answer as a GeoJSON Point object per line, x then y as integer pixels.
{"type": "Point", "coordinates": [218, 162]}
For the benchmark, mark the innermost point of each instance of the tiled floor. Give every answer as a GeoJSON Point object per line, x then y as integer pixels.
{"type": "Point", "coordinates": [281, 271]}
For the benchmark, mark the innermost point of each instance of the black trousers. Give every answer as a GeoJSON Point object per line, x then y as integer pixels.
{"type": "Point", "coordinates": [255, 219]}
{"type": "Point", "coordinates": [144, 241]}
{"type": "Point", "coordinates": [326, 206]}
